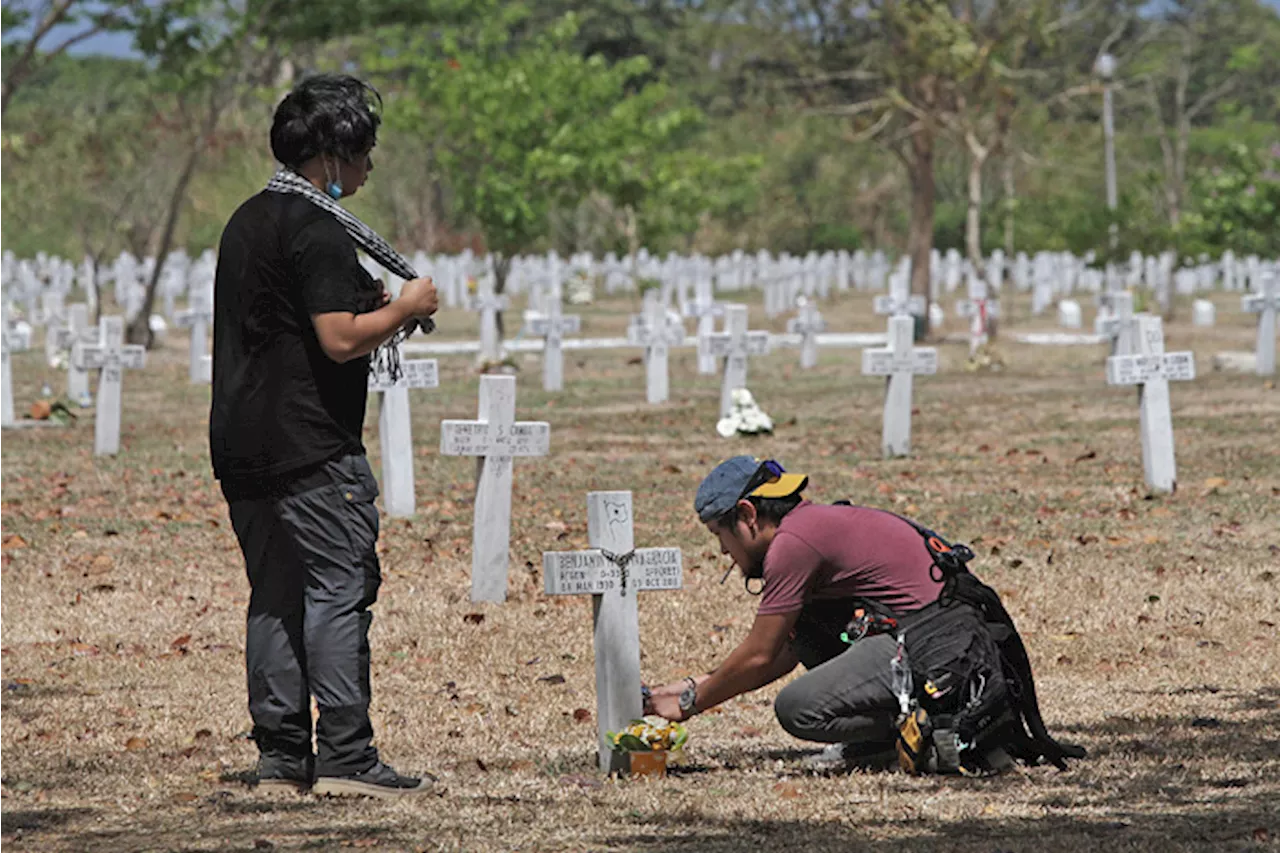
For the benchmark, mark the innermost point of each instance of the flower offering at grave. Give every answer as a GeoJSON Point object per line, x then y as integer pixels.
{"type": "Point", "coordinates": [745, 417]}
{"type": "Point", "coordinates": [650, 734]}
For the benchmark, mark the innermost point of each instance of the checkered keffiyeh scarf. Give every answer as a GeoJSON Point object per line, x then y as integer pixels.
{"type": "Point", "coordinates": [387, 357]}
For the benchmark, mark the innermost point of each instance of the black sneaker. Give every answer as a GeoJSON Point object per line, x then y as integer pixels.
{"type": "Point", "coordinates": [380, 780]}
{"type": "Point", "coordinates": [284, 772]}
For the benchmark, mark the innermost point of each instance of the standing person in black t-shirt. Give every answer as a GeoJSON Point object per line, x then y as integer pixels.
{"type": "Point", "coordinates": [295, 320]}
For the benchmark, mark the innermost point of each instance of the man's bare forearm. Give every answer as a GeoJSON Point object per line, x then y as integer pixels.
{"type": "Point", "coordinates": [345, 337]}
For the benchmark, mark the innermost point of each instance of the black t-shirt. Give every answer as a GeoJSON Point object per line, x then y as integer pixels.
{"type": "Point", "coordinates": [281, 407]}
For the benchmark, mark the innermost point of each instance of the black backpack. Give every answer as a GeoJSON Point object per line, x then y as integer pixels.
{"type": "Point", "coordinates": [971, 691]}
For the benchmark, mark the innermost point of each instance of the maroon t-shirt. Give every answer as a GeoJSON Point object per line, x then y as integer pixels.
{"type": "Point", "coordinates": [823, 552]}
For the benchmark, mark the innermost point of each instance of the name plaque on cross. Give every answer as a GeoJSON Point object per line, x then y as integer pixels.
{"type": "Point", "coordinates": [894, 304]}
{"type": "Point", "coordinates": [594, 573]}
{"type": "Point", "coordinates": [474, 438]}
{"type": "Point", "coordinates": [883, 362]}
{"type": "Point", "coordinates": [1141, 369]}
{"type": "Point", "coordinates": [415, 373]}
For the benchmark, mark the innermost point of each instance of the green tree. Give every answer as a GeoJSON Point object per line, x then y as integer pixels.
{"type": "Point", "coordinates": [523, 126]}
{"type": "Point", "coordinates": [53, 27]}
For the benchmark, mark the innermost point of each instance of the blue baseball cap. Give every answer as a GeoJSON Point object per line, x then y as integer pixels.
{"type": "Point", "coordinates": [742, 477]}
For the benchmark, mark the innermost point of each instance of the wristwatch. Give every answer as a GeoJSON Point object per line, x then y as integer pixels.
{"type": "Point", "coordinates": [689, 698]}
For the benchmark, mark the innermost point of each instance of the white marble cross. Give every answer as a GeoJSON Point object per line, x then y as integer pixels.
{"type": "Point", "coordinates": [553, 326]}
{"type": "Point", "coordinates": [494, 438]}
{"type": "Point", "coordinates": [735, 344]}
{"type": "Point", "coordinates": [197, 317]}
{"type": "Point", "coordinates": [1265, 303]}
{"type": "Point", "coordinates": [1151, 368]}
{"type": "Point", "coordinates": [900, 300]}
{"type": "Point", "coordinates": [53, 316]}
{"type": "Point", "coordinates": [77, 333]}
{"type": "Point", "coordinates": [488, 304]}
{"type": "Point", "coordinates": [395, 435]}
{"type": "Point", "coordinates": [1117, 323]}
{"type": "Point", "coordinates": [978, 308]}
{"type": "Point", "coordinates": [807, 325]}
{"type": "Point", "coordinates": [898, 362]}
{"type": "Point", "coordinates": [6, 379]}
{"type": "Point", "coordinates": [705, 308]}
{"type": "Point", "coordinates": [612, 572]}
{"type": "Point", "coordinates": [654, 331]}
{"type": "Point", "coordinates": [110, 356]}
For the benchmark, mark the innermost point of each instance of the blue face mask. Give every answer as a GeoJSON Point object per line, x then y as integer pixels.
{"type": "Point", "coordinates": [334, 189]}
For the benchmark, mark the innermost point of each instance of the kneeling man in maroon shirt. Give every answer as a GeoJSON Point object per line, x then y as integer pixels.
{"type": "Point", "coordinates": [813, 560]}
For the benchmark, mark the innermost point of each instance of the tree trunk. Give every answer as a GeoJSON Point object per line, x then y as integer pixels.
{"type": "Point", "coordinates": [501, 268]}
{"type": "Point", "coordinates": [1006, 169]}
{"type": "Point", "coordinates": [920, 236]}
{"type": "Point", "coordinates": [973, 214]}
{"type": "Point", "coordinates": [140, 329]}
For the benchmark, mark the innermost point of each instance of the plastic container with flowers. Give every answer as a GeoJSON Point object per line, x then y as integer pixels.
{"type": "Point", "coordinates": [651, 743]}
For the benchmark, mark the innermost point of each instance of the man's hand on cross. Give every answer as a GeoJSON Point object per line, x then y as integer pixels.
{"type": "Point", "coordinates": [668, 707]}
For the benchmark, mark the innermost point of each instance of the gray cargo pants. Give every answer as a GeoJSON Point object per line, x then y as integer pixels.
{"type": "Point", "coordinates": [313, 570]}
{"type": "Point", "coordinates": [849, 699]}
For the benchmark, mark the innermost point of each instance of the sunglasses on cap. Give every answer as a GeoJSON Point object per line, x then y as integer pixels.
{"type": "Point", "coordinates": [770, 471]}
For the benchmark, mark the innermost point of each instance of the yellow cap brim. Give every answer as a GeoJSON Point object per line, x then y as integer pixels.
{"type": "Point", "coordinates": [784, 487]}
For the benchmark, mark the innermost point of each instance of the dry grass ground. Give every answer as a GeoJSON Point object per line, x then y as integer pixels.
{"type": "Point", "coordinates": [1151, 620]}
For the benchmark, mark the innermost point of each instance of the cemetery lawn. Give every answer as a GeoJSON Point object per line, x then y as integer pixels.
{"type": "Point", "coordinates": [1151, 621]}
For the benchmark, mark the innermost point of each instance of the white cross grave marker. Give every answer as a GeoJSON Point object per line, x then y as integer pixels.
{"type": "Point", "coordinates": [735, 344]}
{"type": "Point", "coordinates": [705, 309]}
{"type": "Point", "coordinates": [612, 572]}
{"type": "Point", "coordinates": [1117, 323]}
{"type": "Point", "coordinates": [1265, 303]}
{"type": "Point", "coordinates": [395, 436]}
{"type": "Point", "coordinates": [53, 313]}
{"type": "Point", "coordinates": [978, 308]}
{"type": "Point", "coordinates": [807, 325]}
{"type": "Point", "coordinates": [494, 438]}
{"type": "Point", "coordinates": [1151, 368]}
{"type": "Point", "coordinates": [110, 356]}
{"type": "Point", "coordinates": [488, 304]}
{"type": "Point", "coordinates": [898, 361]}
{"type": "Point", "coordinates": [553, 326]}
{"type": "Point", "coordinates": [197, 317]}
{"type": "Point", "coordinates": [654, 331]}
{"type": "Point", "coordinates": [77, 333]}
{"type": "Point", "coordinates": [6, 379]}
{"type": "Point", "coordinates": [900, 300]}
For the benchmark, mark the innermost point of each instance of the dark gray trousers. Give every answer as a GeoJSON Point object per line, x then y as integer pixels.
{"type": "Point", "coordinates": [849, 699]}
{"type": "Point", "coordinates": [313, 570]}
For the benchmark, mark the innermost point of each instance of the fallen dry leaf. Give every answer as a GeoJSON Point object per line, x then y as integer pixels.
{"type": "Point", "coordinates": [135, 743]}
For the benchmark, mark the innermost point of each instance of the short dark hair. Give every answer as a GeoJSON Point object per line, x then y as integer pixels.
{"type": "Point", "coordinates": [772, 510]}
{"type": "Point", "coordinates": [326, 114]}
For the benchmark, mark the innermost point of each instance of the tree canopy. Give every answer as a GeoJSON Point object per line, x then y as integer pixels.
{"type": "Point", "coordinates": [604, 126]}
